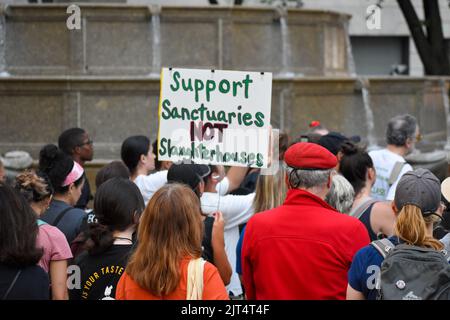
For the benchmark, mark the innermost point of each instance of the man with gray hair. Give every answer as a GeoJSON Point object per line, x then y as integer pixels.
{"type": "Point", "coordinates": [401, 135]}
{"type": "Point", "coordinates": [302, 249]}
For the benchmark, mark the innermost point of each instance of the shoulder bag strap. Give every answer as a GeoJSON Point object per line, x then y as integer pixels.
{"type": "Point", "coordinates": [195, 279]}
{"type": "Point", "coordinates": [12, 285]}
{"type": "Point", "coordinates": [60, 216]}
{"type": "Point", "coordinates": [446, 255]}
{"type": "Point", "coordinates": [398, 166]}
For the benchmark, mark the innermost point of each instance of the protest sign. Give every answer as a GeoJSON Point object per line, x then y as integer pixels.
{"type": "Point", "coordinates": [215, 117]}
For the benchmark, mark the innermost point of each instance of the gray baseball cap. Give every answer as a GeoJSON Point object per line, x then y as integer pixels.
{"type": "Point", "coordinates": [420, 188]}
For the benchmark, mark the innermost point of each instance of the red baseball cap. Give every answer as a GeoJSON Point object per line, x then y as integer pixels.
{"type": "Point", "coordinates": [309, 156]}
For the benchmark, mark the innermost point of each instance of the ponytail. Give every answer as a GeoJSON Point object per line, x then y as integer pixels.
{"type": "Point", "coordinates": [34, 187]}
{"type": "Point", "coordinates": [100, 239]}
{"type": "Point", "coordinates": [411, 227]}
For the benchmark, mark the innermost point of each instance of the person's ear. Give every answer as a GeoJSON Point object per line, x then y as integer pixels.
{"type": "Point", "coordinates": [330, 181]}
{"type": "Point", "coordinates": [371, 174]}
{"type": "Point", "coordinates": [166, 165]}
{"type": "Point", "coordinates": [286, 180]}
{"type": "Point", "coordinates": [409, 143]}
{"type": "Point", "coordinates": [394, 207]}
{"type": "Point", "coordinates": [72, 188]}
{"type": "Point", "coordinates": [142, 158]}
{"type": "Point", "coordinates": [48, 201]}
{"type": "Point", "coordinates": [136, 218]}
{"type": "Point", "coordinates": [201, 187]}
{"type": "Point", "coordinates": [76, 150]}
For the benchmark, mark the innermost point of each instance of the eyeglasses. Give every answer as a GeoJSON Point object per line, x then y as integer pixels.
{"type": "Point", "coordinates": [89, 142]}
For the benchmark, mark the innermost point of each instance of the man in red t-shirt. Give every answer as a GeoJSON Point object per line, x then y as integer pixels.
{"type": "Point", "coordinates": [304, 248]}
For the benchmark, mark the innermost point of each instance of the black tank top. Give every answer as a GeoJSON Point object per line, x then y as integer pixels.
{"type": "Point", "coordinates": [365, 219]}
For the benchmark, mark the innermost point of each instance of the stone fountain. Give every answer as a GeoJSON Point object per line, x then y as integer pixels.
{"type": "Point", "coordinates": [105, 77]}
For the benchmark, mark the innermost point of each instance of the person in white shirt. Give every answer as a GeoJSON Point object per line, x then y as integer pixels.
{"type": "Point", "coordinates": [401, 135]}
{"type": "Point", "coordinates": [236, 210]}
{"type": "Point", "coordinates": [137, 154]}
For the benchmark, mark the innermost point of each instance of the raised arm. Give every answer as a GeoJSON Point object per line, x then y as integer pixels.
{"type": "Point", "coordinates": [235, 177]}
{"type": "Point", "coordinates": [218, 244]}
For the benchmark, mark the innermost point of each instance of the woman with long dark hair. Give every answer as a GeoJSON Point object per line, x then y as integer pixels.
{"type": "Point", "coordinates": [118, 205]}
{"type": "Point", "coordinates": [20, 276]}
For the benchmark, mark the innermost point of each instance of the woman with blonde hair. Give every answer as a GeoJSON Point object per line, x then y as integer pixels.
{"type": "Point", "coordinates": [270, 191]}
{"type": "Point", "coordinates": [167, 262]}
{"type": "Point", "coordinates": [417, 206]}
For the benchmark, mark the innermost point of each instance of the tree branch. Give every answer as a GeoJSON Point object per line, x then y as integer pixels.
{"type": "Point", "coordinates": [436, 35]}
{"type": "Point", "coordinates": [417, 32]}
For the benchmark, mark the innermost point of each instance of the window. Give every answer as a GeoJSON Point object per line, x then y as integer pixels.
{"type": "Point", "coordinates": [378, 55]}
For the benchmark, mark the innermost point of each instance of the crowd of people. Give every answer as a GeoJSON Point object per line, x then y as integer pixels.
{"type": "Point", "coordinates": [334, 222]}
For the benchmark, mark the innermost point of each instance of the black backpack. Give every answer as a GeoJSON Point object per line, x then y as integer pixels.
{"type": "Point", "coordinates": [413, 273]}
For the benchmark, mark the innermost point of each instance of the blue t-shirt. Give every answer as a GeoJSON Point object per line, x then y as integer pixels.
{"type": "Point", "coordinates": [365, 270]}
{"type": "Point", "coordinates": [70, 224]}
{"type": "Point", "coordinates": [238, 252]}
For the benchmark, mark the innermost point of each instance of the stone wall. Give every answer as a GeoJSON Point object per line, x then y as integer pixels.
{"type": "Point", "coordinates": [137, 40]}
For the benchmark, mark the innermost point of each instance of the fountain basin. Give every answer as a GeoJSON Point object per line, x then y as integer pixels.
{"type": "Point", "coordinates": [35, 109]}
{"type": "Point", "coordinates": [436, 161]}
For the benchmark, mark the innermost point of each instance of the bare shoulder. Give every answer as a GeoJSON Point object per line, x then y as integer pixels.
{"type": "Point", "coordinates": [383, 208]}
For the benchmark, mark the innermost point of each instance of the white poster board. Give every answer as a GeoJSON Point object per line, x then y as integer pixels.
{"type": "Point", "coordinates": [215, 117]}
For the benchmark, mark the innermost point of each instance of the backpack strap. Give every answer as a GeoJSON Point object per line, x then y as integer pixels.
{"type": "Point", "coordinates": [60, 216]}
{"type": "Point", "coordinates": [12, 284]}
{"type": "Point", "coordinates": [358, 211]}
{"type": "Point", "coordinates": [383, 246]}
{"type": "Point", "coordinates": [446, 255]}
{"type": "Point", "coordinates": [41, 222]}
{"type": "Point", "coordinates": [398, 166]}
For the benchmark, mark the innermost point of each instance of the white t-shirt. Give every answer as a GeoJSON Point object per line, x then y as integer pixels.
{"type": "Point", "coordinates": [148, 185]}
{"type": "Point", "coordinates": [384, 162]}
{"type": "Point", "coordinates": [236, 210]}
